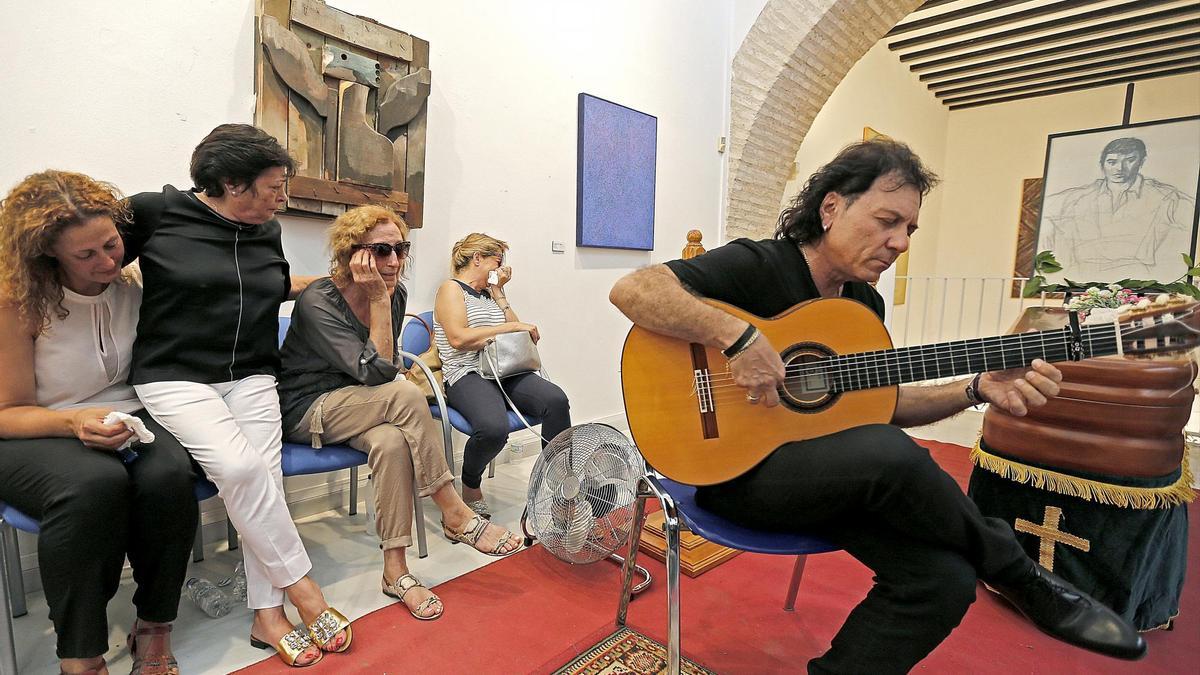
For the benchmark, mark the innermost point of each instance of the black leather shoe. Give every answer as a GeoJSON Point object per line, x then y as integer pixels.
{"type": "Point", "coordinates": [1067, 613]}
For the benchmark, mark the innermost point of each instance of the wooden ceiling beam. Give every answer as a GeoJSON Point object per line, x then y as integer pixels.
{"type": "Point", "coordinates": [1086, 45]}
{"type": "Point", "coordinates": [1119, 25]}
{"type": "Point", "coordinates": [952, 15]}
{"type": "Point", "coordinates": [1078, 87]}
{"type": "Point", "coordinates": [1013, 17]}
{"type": "Point", "coordinates": [1028, 74]}
{"type": "Point", "coordinates": [1115, 75]}
{"type": "Point", "coordinates": [1145, 17]}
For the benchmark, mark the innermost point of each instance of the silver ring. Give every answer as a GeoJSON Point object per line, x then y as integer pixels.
{"type": "Point", "coordinates": [751, 398]}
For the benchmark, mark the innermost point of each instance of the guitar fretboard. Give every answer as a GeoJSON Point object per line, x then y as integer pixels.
{"type": "Point", "coordinates": [888, 367]}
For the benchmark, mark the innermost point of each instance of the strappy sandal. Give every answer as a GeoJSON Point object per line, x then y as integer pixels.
{"type": "Point", "coordinates": [405, 583]}
{"type": "Point", "coordinates": [90, 671]}
{"type": "Point", "coordinates": [476, 526]}
{"type": "Point", "coordinates": [289, 648]}
{"type": "Point", "coordinates": [326, 626]}
{"type": "Point", "coordinates": [155, 665]}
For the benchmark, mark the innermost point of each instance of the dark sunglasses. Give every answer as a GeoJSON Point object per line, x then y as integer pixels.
{"type": "Point", "coordinates": [384, 250]}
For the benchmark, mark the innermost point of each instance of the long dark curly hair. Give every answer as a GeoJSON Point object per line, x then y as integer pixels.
{"type": "Point", "coordinates": [850, 174]}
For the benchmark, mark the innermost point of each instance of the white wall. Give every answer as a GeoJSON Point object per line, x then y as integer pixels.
{"type": "Point", "coordinates": [881, 93]}
{"type": "Point", "coordinates": [123, 91]}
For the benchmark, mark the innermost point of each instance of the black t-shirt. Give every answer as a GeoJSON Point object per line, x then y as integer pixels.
{"type": "Point", "coordinates": [210, 309]}
{"type": "Point", "coordinates": [765, 277]}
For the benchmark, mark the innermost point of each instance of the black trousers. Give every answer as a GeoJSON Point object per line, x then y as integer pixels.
{"type": "Point", "coordinates": [881, 497]}
{"type": "Point", "coordinates": [94, 511]}
{"type": "Point", "coordinates": [481, 402]}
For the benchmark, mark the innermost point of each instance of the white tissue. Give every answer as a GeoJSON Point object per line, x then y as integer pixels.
{"type": "Point", "coordinates": [134, 424]}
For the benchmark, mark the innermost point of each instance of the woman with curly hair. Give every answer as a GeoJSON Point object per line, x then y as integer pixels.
{"type": "Point", "coordinates": [339, 385]}
{"type": "Point", "coordinates": [68, 317]}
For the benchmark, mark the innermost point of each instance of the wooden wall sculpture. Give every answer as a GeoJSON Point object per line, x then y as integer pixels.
{"type": "Point", "coordinates": [346, 95]}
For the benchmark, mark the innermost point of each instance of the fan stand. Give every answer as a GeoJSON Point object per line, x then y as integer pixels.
{"type": "Point", "coordinates": [627, 567]}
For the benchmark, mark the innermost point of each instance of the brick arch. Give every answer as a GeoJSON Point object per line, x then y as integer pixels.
{"type": "Point", "coordinates": [790, 62]}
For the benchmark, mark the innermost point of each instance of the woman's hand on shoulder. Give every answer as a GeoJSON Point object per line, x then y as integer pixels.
{"type": "Point", "coordinates": [89, 427]}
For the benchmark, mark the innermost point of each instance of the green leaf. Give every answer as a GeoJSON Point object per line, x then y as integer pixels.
{"type": "Point", "coordinates": [1194, 272]}
{"type": "Point", "coordinates": [1187, 260]}
{"type": "Point", "coordinates": [1046, 263]}
{"type": "Point", "coordinates": [1033, 286]}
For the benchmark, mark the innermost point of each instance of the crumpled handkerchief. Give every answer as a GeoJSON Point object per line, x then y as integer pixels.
{"type": "Point", "coordinates": [134, 424]}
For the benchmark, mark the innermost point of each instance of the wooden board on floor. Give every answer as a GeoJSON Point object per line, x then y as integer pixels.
{"type": "Point", "coordinates": [697, 555]}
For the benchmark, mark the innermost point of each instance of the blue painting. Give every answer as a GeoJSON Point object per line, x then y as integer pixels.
{"type": "Point", "coordinates": [615, 189]}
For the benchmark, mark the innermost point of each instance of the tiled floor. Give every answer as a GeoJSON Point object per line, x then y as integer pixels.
{"type": "Point", "coordinates": [347, 564]}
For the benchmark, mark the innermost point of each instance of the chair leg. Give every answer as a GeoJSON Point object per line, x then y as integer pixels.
{"type": "Point", "coordinates": [8, 645]}
{"type": "Point", "coordinates": [198, 543]}
{"type": "Point", "coordinates": [794, 585]}
{"type": "Point", "coordinates": [231, 534]}
{"type": "Point", "coordinates": [635, 538]}
{"type": "Point", "coordinates": [354, 490]}
{"type": "Point", "coordinates": [671, 525]}
{"type": "Point", "coordinates": [15, 585]}
{"type": "Point", "coordinates": [419, 516]}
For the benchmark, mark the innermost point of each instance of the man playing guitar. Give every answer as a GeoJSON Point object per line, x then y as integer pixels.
{"type": "Point", "coordinates": [870, 489]}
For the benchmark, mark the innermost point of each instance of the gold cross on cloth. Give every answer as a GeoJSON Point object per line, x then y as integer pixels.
{"type": "Point", "coordinates": [1049, 533]}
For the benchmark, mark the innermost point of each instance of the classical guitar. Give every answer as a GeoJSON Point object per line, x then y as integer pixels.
{"type": "Point", "coordinates": [693, 423]}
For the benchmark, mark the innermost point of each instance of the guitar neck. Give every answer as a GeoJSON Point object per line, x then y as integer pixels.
{"type": "Point", "coordinates": [866, 370]}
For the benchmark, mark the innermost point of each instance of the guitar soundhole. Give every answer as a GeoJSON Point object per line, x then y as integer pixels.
{"type": "Point", "coordinates": [806, 387]}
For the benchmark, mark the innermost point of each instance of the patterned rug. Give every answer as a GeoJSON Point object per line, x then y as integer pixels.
{"type": "Point", "coordinates": [627, 652]}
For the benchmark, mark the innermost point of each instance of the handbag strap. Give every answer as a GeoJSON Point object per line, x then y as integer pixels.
{"type": "Point", "coordinates": [495, 367]}
{"type": "Point", "coordinates": [423, 323]}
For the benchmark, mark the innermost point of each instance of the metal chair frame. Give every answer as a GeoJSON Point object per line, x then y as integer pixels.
{"type": "Point", "coordinates": [674, 522]}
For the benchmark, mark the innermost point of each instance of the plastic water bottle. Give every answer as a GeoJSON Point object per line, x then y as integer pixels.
{"type": "Point", "coordinates": [210, 599]}
{"type": "Point", "coordinates": [239, 583]}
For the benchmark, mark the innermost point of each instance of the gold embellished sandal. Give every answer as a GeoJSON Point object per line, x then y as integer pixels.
{"type": "Point", "coordinates": [326, 626]}
{"type": "Point", "coordinates": [405, 583]}
{"type": "Point", "coordinates": [476, 526]}
{"type": "Point", "coordinates": [289, 648]}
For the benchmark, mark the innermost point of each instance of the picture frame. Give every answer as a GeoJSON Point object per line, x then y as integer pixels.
{"type": "Point", "coordinates": [1121, 202]}
{"type": "Point", "coordinates": [615, 179]}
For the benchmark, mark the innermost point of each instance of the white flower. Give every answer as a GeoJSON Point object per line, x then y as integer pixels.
{"type": "Point", "coordinates": [1105, 294]}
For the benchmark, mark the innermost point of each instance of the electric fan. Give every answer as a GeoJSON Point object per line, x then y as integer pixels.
{"type": "Point", "coordinates": [582, 494]}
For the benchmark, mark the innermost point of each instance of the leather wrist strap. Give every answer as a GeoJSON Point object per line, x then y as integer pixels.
{"type": "Point", "coordinates": [972, 390]}
{"type": "Point", "coordinates": [742, 342]}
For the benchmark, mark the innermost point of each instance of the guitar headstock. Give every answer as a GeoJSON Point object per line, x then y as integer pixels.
{"type": "Point", "coordinates": [1166, 325]}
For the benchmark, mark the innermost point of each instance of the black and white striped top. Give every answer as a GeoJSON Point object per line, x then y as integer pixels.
{"type": "Point", "coordinates": [482, 311]}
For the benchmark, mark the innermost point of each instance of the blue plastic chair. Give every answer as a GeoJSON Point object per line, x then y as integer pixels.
{"type": "Point", "coordinates": [680, 509]}
{"type": "Point", "coordinates": [414, 340]}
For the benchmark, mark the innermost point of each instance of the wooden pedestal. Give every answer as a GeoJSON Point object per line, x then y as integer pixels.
{"type": "Point", "coordinates": [697, 555]}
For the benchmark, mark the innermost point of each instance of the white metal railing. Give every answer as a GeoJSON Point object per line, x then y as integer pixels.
{"type": "Point", "coordinates": [926, 309]}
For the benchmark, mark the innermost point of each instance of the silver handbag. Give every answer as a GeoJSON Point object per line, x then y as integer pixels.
{"type": "Point", "coordinates": [509, 354]}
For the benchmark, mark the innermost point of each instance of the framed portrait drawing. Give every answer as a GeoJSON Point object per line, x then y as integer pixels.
{"type": "Point", "coordinates": [1120, 202]}
{"type": "Point", "coordinates": [616, 172]}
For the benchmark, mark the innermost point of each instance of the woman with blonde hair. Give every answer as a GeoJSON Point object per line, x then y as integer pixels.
{"type": "Point", "coordinates": [339, 385]}
{"type": "Point", "coordinates": [68, 317]}
{"type": "Point", "coordinates": [471, 309]}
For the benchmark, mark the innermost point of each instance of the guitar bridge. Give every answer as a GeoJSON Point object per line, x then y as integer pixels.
{"type": "Point", "coordinates": [702, 383]}
{"type": "Point", "coordinates": [703, 389]}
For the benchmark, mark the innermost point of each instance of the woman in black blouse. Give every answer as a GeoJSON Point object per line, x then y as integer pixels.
{"type": "Point", "coordinates": [205, 358]}
{"type": "Point", "coordinates": [339, 385]}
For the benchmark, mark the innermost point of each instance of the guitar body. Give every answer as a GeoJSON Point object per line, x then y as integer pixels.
{"type": "Point", "coordinates": [694, 425]}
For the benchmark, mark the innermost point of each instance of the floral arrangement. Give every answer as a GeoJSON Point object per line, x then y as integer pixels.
{"type": "Point", "coordinates": [1106, 297]}
{"type": "Point", "coordinates": [1044, 263]}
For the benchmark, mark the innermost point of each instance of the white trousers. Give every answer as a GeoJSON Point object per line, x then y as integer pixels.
{"type": "Point", "coordinates": [233, 429]}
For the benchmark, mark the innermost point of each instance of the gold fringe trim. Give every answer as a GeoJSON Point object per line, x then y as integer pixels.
{"type": "Point", "coordinates": [1180, 492]}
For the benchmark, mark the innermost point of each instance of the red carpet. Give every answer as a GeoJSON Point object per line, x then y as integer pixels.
{"type": "Point", "coordinates": [546, 612]}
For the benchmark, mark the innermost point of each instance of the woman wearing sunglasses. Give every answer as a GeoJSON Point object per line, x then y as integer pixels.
{"type": "Point", "coordinates": [339, 385]}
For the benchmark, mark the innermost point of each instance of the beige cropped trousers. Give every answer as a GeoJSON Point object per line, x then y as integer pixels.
{"type": "Point", "coordinates": [392, 424]}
